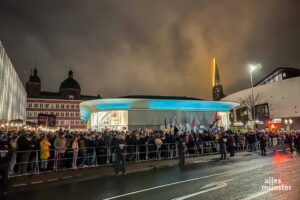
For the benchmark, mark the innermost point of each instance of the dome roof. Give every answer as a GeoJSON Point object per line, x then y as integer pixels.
{"type": "Point", "coordinates": [70, 83]}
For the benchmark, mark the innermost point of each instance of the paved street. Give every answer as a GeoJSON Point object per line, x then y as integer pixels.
{"type": "Point", "coordinates": [241, 177]}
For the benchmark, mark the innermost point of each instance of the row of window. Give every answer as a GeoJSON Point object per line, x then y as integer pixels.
{"type": "Point", "coordinates": [53, 106]}
{"type": "Point", "coordinates": [65, 122]}
{"type": "Point", "coordinates": [279, 77]}
{"type": "Point", "coordinates": [69, 122]}
{"type": "Point", "coordinates": [57, 114]}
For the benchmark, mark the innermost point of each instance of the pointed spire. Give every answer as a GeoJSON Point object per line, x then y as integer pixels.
{"type": "Point", "coordinates": [216, 77]}
{"type": "Point", "coordinates": [35, 71]}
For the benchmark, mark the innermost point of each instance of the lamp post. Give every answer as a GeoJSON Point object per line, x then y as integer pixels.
{"type": "Point", "coordinates": [252, 68]}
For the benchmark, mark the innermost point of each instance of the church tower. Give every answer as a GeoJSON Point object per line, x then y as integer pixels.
{"type": "Point", "coordinates": [33, 86]}
{"type": "Point", "coordinates": [217, 89]}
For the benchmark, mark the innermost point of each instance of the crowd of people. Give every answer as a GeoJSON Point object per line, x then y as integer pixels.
{"type": "Point", "coordinates": [25, 152]}
{"type": "Point", "coordinates": [65, 149]}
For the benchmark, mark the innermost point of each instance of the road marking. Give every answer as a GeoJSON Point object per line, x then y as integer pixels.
{"type": "Point", "coordinates": [256, 195]}
{"type": "Point", "coordinates": [166, 185]}
{"type": "Point", "coordinates": [189, 180]}
{"type": "Point", "coordinates": [217, 185]}
{"type": "Point", "coordinates": [65, 177]}
{"type": "Point", "coordinates": [19, 185]}
{"type": "Point", "coordinates": [36, 182]}
{"type": "Point", "coordinates": [54, 179]}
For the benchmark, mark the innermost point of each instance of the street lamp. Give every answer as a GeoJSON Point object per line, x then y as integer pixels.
{"type": "Point", "coordinates": [252, 68]}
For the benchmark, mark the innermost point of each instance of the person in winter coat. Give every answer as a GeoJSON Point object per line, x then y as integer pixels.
{"type": "Point", "coordinates": [75, 148]}
{"type": "Point", "coordinates": [263, 143]}
{"type": "Point", "coordinates": [60, 149]}
{"type": "Point", "coordinates": [231, 143]}
{"type": "Point", "coordinates": [120, 152]}
{"type": "Point", "coordinates": [45, 152]}
{"type": "Point", "coordinates": [181, 151]}
{"type": "Point", "coordinates": [222, 142]}
{"type": "Point", "coordinates": [5, 156]}
{"type": "Point", "coordinates": [25, 147]}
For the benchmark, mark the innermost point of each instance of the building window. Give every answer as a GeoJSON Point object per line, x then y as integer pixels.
{"type": "Point", "coordinates": [62, 122]}
{"type": "Point", "coordinates": [52, 106]}
{"type": "Point", "coordinates": [67, 106]}
{"type": "Point", "coordinates": [57, 114]}
{"type": "Point", "coordinates": [77, 106]}
{"type": "Point", "coordinates": [262, 111]}
{"type": "Point", "coordinates": [36, 105]}
{"type": "Point", "coordinates": [62, 106]}
{"type": "Point", "coordinates": [30, 105]}
{"type": "Point", "coordinates": [72, 122]}
{"type": "Point", "coordinates": [57, 106]}
{"type": "Point", "coordinates": [77, 114]}
{"type": "Point", "coordinates": [280, 77]}
{"type": "Point", "coordinates": [72, 106]}
{"type": "Point", "coordinates": [77, 122]}
{"type": "Point", "coordinates": [35, 114]}
{"type": "Point", "coordinates": [72, 114]}
{"type": "Point", "coordinates": [67, 114]}
{"type": "Point", "coordinates": [46, 105]}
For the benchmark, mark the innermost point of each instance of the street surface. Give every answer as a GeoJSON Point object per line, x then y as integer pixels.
{"type": "Point", "coordinates": [241, 177]}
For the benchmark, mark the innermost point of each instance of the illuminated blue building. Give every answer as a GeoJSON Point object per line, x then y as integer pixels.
{"type": "Point", "coordinates": [154, 112]}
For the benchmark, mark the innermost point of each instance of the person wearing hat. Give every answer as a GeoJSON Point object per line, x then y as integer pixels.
{"type": "Point", "coordinates": [5, 156]}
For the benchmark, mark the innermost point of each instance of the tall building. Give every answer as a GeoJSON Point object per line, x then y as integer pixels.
{"type": "Point", "coordinates": [217, 89]}
{"type": "Point", "coordinates": [64, 105]}
{"type": "Point", "coordinates": [12, 91]}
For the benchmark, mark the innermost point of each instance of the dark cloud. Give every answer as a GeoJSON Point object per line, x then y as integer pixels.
{"type": "Point", "coordinates": [161, 47]}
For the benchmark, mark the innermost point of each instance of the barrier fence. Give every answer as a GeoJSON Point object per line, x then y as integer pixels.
{"type": "Point", "coordinates": [29, 162]}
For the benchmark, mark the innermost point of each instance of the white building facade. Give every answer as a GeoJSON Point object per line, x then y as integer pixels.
{"type": "Point", "coordinates": [12, 92]}
{"type": "Point", "coordinates": [277, 103]}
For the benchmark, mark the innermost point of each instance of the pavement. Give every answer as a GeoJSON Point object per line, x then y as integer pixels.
{"type": "Point", "coordinates": [206, 177]}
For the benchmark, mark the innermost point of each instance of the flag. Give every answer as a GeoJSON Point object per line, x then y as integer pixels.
{"type": "Point", "coordinates": [194, 123]}
{"type": "Point", "coordinates": [214, 126]}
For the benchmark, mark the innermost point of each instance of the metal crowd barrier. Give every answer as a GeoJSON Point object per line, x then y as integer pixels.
{"type": "Point", "coordinates": [29, 162]}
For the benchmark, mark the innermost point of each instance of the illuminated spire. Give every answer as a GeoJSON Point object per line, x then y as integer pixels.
{"type": "Point", "coordinates": [216, 77]}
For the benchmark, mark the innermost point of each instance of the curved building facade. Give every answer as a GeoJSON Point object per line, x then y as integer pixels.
{"type": "Point", "coordinates": [153, 113]}
{"type": "Point", "coordinates": [277, 104]}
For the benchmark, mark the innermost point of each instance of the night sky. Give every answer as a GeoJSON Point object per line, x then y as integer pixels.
{"type": "Point", "coordinates": [153, 47]}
